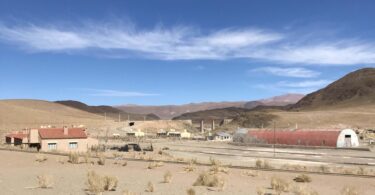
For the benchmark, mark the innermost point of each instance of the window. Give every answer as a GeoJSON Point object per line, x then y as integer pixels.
{"type": "Point", "coordinates": [52, 146]}
{"type": "Point", "coordinates": [73, 145]}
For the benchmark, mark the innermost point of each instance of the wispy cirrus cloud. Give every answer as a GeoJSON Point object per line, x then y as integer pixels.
{"type": "Point", "coordinates": [188, 43]}
{"type": "Point", "coordinates": [304, 87]}
{"type": "Point", "coordinates": [117, 93]}
{"type": "Point", "coordinates": [287, 72]}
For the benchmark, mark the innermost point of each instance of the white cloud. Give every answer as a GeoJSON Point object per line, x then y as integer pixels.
{"type": "Point", "coordinates": [187, 43]}
{"type": "Point", "coordinates": [288, 72]}
{"type": "Point", "coordinates": [115, 93]}
{"type": "Point", "coordinates": [304, 84]}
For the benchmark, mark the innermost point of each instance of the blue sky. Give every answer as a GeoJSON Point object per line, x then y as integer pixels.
{"type": "Point", "coordinates": [175, 52]}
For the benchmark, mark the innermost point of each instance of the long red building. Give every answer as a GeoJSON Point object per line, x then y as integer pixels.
{"type": "Point", "coordinates": [330, 138]}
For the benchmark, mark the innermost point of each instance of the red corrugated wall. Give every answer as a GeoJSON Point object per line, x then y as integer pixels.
{"type": "Point", "coordinates": [298, 137]}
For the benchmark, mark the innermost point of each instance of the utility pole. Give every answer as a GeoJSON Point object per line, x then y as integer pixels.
{"type": "Point", "coordinates": [274, 138]}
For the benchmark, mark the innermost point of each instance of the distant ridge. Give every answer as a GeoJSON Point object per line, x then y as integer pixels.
{"type": "Point", "coordinates": [174, 111]}
{"type": "Point", "coordinates": [109, 111]}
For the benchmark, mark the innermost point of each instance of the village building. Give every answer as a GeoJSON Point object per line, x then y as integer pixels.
{"type": "Point", "coordinates": [162, 133]}
{"type": "Point", "coordinates": [53, 139]}
{"type": "Point", "coordinates": [322, 137]}
{"type": "Point", "coordinates": [222, 136]}
{"type": "Point", "coordinates": [137, 133]}
{"type": "Point", "coordinates": [173, 133]}
{"type": "Point", "coordinates": [185, 134]}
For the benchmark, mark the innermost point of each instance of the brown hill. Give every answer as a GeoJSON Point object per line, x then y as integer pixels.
{"type": "Point", "coordinates": [33, 113]}
{"type": "Point", "coordinates": [354, 89]}
{"type": "Point", "coordinates": [108, 111]}
{"type": "Point", "coordinates": [281, 100]}
{"type": "Point", "coordinates": [221, 113]}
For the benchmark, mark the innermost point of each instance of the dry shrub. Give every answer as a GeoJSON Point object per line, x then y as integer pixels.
{"type": "Point", "coordinates": [45, 181]}
{"type": "Point", "coordinates": [262, 164]}
{"type": "Point", "coordinates": [349, 190]}
{"type": "Point", "coordinates": [190, 167]}
{"type": "Point", "coordinates": [73, 158]}
{"type": "Point", "coordinates": [40, 158]}
{"type": "Point", "coordinates": [125, 163]}
{"type": "Point", "coordinates": [153, 165]}
{"type": "Point", "coordinates": [101, 159]}
{"type": "Point", "coordinates": [250, 173]}
{"type": "Point", "coordinates": [324, 169]}
{"type": "Point", "coordinates": [279, 185]}
{"type": "Point", "coordinates": [150, 187]}
{"type": "Point", "coordinates": [117, 155]}
{"type": "Point", "coordinates": [214, 162]}
{"type": "Point", "coordinates": [127, 192]}
{"type": "Point", "coordinates": [193, 161]}
{"type": "Point", "coordinates": [206, 179]}
{"type": "Point", "coordinates": [86, 157]}
{"type": "Point", "coordinates": [261, 191]}
{"type": "Point", "coordinates": [190, 191]}
{"type": "Point", "coordinates": [303, 190]}
{"type": "Point", "coordinates": [180, 159]}
{"type": "Point", "coordinates": [302, 178]}
{"type": "Point", "coordinates": [98, 184]}
{"type": "Point", "coordinates": [361, 171]}
{"type": "Point", "coordinates": [167, 177]}
{"type": "Point", "coordinates": [217, 169]}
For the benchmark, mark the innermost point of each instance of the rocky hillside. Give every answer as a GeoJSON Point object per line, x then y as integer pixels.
{"type": "Point", "coordinates": [355, 89]}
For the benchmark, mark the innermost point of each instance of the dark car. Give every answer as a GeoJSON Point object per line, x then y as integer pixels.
{"type": "Point", "coordinates": [130, 147]}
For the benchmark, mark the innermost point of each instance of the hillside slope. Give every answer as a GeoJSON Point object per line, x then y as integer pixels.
{"type": "Point", "coordinates": [33, 113]}
{"type": "Point", "coordinates": [108, 111]}
{"type": "Point", "coordinates": [354, 89]}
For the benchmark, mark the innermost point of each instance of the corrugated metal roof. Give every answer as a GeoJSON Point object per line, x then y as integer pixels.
{"type": "Point", "coordinates": [298, 137]}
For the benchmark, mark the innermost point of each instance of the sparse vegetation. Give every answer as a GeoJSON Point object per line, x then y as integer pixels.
{"type": "Point", "coordinates": [217, 168]}
{"type": "Point", "coordinates": [190, 191]}
{"type": "Point", "coordinates": [73, 158]}
{"type": "Point", "coordinates": [98, 184]}
{"type": "Point", "coordinates": [45, 181]}
{"type": "Point", "coordinates": [40, 158]}
{"type": "Point", "coordinates": [303, 190]}
{"type": "Point", "coordinates": [260, 191]}
{"type": "Point", "coordinates": [279, 185]}
{"type": "Point", "coordinates": [101, 159]}
{"type": "Point", "coordinates": [250, 173]}
{"type": "Point", "coordinates": [127, 192]}
{"type": "Point", "coordinates": [214, 162]}
{"type": "Point", "coordinates": [150, 187]}
{"type": "Point", "coordinates": [262, 164]}
{"type": "Point", "coordinates": [168, 177]}
{"type": "Point", "coordinates": [209, 180]}
{"type": "Point", "coordinates": [349, 190]}
{"type": "Point", "coordinates": [190, 167]}
{"type": "Point", "coordinates": [153, 165]}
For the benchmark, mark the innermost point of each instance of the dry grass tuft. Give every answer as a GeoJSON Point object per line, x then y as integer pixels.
{"type": "Point", "coordinates": [214, 162]}
{"type": "Point", "coordinates": [150, 187]}
{"type": "Point", "coordinates": [125, 163]}
{"type": "Point", "coordinates": [303, 190]}
{"type": "Point", "coordinates": [206, 179]}
{"type": "Point", "coordinates": [167, 177]}
{"type": "Point", "coordinates": [190, 191]}
{"type": "Point", "coordinates": [73, 158]}
{"type": "Point", "coordinates": [86, 157]}
{"type": "Point", "coordinates": [40, 158]}
{"type": "Point", "coordinates": [302, 178]}
{"type": "Point", "coordinates": [324, 169]}
{"type": "Point", "coordinates": [190, 167]}
{"type": "Point", "coordinates": [127, 192]}
{"type": "Point", "coordinates": [153, 165]}
{"type": "Point", "coordinates": [45, 181]}
{"type": "Point", "coordinates": [262, 164]}
{"type": "Point", "coordinates": [217, 169]}
{"type": "Point", "coordinates": [349, 190]}
{"type": "Point", "coordinates": [261, 191]}
{"type": "Point", "coordinates": [101, 160]}
{"type": "Point", "coordinates": [98, 184]}
{"type": "Point", "coordinates": [279, 185]}
{"type": "Point", "coordinates": [250, 173]}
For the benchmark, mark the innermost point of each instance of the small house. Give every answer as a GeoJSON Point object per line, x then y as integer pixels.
{"type": "Point", "coordinates": [222, 136]}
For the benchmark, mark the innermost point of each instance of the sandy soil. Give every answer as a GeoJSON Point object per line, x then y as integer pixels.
{"type": "Point", "coordinates": [19, 170]}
